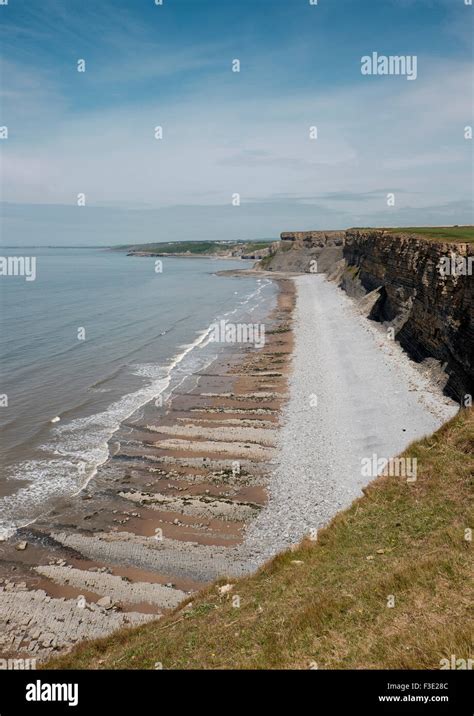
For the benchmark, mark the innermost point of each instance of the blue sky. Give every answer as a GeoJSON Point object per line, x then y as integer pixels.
{"type": "Point", "coordinates": [226, 132]}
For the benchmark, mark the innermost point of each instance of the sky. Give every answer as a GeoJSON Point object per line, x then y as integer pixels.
{"type": "Point", "coordinates": [230, 133]}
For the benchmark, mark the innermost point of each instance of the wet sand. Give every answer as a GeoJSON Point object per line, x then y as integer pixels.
{"type": "Point", "coordinates": [164, 516]}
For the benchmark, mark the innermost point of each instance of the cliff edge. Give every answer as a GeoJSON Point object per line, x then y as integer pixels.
{"type": "Point", "coordinates": [418, 285]}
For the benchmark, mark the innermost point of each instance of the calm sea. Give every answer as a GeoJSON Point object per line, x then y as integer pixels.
{"type": "Point", "coordinates": [95, 336]}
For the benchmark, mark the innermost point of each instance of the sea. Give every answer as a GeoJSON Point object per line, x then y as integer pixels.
{"type": "Point", "coordinates": [94, 337]}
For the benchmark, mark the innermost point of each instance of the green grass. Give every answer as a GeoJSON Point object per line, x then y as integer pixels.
{"type": "Point", "coordinates": [462, 234]}
{"type": "Point", "coordinates": [325, 602]}
{"type": "Point", "coordinates": [252, 246]}
{"type": "Point", "coordinates": [265, 262]}
{"type": "Point", "coordinates": [200, 248]}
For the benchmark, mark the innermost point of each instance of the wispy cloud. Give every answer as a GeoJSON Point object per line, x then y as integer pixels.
{"type": "Point", "coordinates": [227, 133]}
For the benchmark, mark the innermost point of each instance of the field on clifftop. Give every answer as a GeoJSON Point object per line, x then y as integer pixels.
{"type": "Point", "coordinates": [460, 234]}
{"type": "Point", "coordinates": [326, 603]}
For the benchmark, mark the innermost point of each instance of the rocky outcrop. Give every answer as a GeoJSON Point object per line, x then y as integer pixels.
{"type": "Point", "coordinates": [399, 280]}
{"type": "Point", "coordinates": [305, 251]}
{"type": "Point", "coordinates": [314, 238]}
{"type": "Point", "coordinates": [257, 254]}
{"type": "Point", "coordinates": [430, 309]}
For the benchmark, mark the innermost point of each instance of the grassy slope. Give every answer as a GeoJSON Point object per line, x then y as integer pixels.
{"type": "Point", "coordinates": [332, 608]}
{"type": "Point", "coordinates": [439, 233]}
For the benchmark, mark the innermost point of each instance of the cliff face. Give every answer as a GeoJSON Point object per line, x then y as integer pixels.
{"type": "Point", "coordinates": [431, 311]}
{"type": "Point", "coordinates": [399, 280]}
{"type": "Point", "coordinates": [306, 251]}
{"type": "Point", "coordinates": [315, 238]}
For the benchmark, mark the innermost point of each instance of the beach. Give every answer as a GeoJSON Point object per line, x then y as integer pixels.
{"type": "Point", "coordinates": [254, 452]}
{"type": "Point", "coordinates": [163, 515]}
{"type": "Point", "coordinates": [354, 395]}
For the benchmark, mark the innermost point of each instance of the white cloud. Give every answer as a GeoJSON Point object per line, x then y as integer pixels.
{"type": "Point", "coordinates": [223, 138]}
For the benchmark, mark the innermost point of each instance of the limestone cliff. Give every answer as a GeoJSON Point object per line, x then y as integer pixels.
{"type": "Point", "coordinates": [398, 279]}
{"type": "Point", "coordinates": [306, 251]}
{"type": "Point", "coordinates": [431, 311]}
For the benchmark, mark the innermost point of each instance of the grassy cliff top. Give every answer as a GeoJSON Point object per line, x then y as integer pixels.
{"type": "Point", "coordinates": [327, 602]}
{"type": "Point", "coordinates": [459, 234]}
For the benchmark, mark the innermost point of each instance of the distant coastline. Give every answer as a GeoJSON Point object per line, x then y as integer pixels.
{"type": "Point", "coordinates": [182, 255]}
{"type": "Point", "coordinates": [202, 249]}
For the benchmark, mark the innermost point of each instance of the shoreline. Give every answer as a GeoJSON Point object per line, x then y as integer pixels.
{"type": "Point", "coordinates": [124, 406]}
{"type": "Point", "coordinates": [172, 471]}
{"type": "Point", "coordinates": [101, 565]}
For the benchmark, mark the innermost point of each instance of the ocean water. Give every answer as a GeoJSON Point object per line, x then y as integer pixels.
{"type": "Point", "coordinates": [93, 338]}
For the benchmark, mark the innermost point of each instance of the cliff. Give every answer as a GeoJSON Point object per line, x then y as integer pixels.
{"type": "Point", "coordinates": [399, 280]}
{"type": "Point", "coordinates": [431, 310]}
{"type": "Point", "coordinates": [305, 251]}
